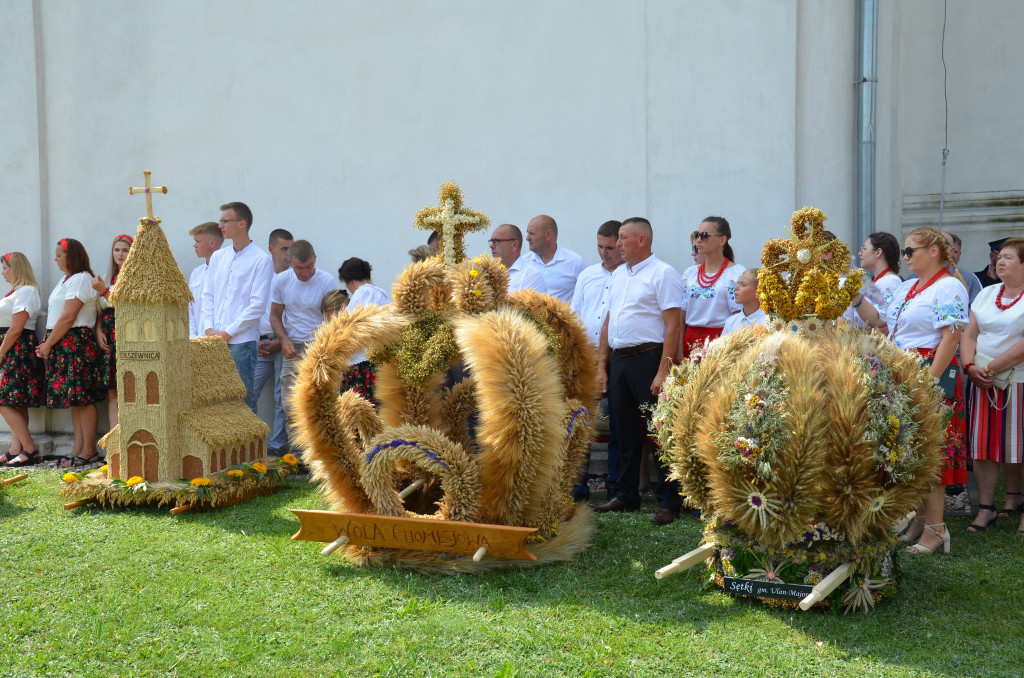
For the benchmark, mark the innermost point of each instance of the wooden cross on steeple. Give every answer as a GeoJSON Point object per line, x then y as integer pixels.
{"type": "Point", "coordinates": [452, 221]}
{"type": "Point", "coordinates": [148, 190]}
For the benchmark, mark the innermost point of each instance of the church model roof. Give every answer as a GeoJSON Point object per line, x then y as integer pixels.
{"type": "Point", "coordinates": [150, 274]}
{"type": "Point", "coordinates": [214, 377]}
{"type": "Point", "coordinates": [225, 423]}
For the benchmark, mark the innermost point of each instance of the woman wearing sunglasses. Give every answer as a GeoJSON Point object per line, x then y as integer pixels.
{"type": "Point", "coordinates": [928, 314]}
{"type": "Point", "coordinates": [709, 288]}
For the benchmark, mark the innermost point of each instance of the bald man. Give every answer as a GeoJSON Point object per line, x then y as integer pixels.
{"type": "Point", "coordinates": [560, 265]}
{"type": "Point", "coordinates": [507, 244]}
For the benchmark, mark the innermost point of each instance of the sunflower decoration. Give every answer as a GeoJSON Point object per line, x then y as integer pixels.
{"type": "Point", "coordinates": [800, 275]}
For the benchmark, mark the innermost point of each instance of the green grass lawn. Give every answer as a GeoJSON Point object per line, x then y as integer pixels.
{"type": "Point", "coordinates": [92, 592]}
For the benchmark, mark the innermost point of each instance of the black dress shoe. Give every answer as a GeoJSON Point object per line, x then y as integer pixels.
{"type": "Point", "coordinates": [664, 516]}
{"type": "Point", "coordinates": [613, 506]}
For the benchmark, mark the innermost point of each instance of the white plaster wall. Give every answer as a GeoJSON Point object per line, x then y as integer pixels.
{"type": "Point", "coordinates": [984, 59]}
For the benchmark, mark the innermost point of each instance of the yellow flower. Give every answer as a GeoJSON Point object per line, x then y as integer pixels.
{"type": "Point", "coordinates": [474, 273]}
{"type": "Point", "coordinates": [135, 480]}
{"type": "Point", "coordinates": [257, 466]}
{"type": "Point", "coordinates": [69, 478]}
{"type": "Point", "coordinates": [103, 469]}
{"type": "Point", "coordinates": [200, 482]}
{"type": "Point", "coordinates": [477, 292]}
{"type": "Point", "coordinates": [290, 459]}
{"type": "Point", "coordinates": [235, 473]}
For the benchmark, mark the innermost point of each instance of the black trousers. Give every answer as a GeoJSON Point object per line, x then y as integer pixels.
{"type": "Point", "coordinates": [630, 388]}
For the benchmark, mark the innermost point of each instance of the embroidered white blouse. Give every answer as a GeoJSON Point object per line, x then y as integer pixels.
{"type": "Point", "coordinates": [919, 322]}
{"type": "Point", "coordinates": [710, 306]}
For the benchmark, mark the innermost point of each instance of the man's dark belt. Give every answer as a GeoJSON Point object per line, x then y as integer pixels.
{"type": "Point", "coordinates": [639, 348]}
{"type": "Point", "coordinates": [266, 337]}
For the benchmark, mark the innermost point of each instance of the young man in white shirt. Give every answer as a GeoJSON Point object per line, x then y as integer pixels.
{"type": "Point", "coordinates": [639, 343]}
{"type": "Point", "coordinates": [268, 351]}
{"type": "Point", "coordinates": [207, 240]}
{"type": "Point", "coordinates": [507, 244]}
{"type": "Point", "coordinates": [236, 293]}
{"type": "Point", "coordinates": [590, 304]}
{"type": "Point", "coordinates": [295, 297]}
{"type": "Point", "coordinates": [561, 266]}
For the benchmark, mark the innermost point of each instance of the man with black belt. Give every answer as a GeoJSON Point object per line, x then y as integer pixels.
{"type": "Point", "coordinates": [640, 337]}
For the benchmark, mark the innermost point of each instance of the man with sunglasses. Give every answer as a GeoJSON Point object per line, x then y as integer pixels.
{"type": "Point", "coordinates": [506, 244]}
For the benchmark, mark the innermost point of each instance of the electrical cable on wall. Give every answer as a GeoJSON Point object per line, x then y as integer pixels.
{"type": "Point", "coordinates": [945, 97]}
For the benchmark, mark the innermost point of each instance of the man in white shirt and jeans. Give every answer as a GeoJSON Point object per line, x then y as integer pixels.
{"type": "Point", "coordinates": [640, 340]}
{"type": "Point", "coordinates": [295, 297]}
{"type": "Point", "coordinates": [208, 240]}
{"type": "Point", "coordinates": [561, 266]}
{"type": "Point", "coordinates": [268, 350]}
{"type": "Point", "coordinates": [236, 292]}
{"type": "Point", "coordinates": [507, 244]}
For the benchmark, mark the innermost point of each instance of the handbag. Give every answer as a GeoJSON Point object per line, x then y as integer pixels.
{"type": "Point", "coordinates": [1002, 379]}
{"type": "Point", "coordinates": [947, 380]}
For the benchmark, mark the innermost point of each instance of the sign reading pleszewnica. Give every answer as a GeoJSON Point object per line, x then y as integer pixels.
{"type": "Point", "coordinates": [767, 589]}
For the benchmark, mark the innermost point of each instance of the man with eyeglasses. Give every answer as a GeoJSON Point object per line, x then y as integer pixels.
{"type": "Point", "coordinates": [560, 265]}
{"type": "Point", "coordinates": [506, 244]}
{"type": "Point", "coordinates": [236, 292]}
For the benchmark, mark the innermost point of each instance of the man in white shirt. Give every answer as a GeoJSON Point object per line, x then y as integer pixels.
{"type": "Point", "coordinates": [268, 351]}
{"type": "Point", "coordinates": [561, 266]}
{"type": "Point", "coordinates": [207, 240]}
{"type": "Point", "coordinates": [590, 304]}
{"type": "Point", "coordinates": [295, 297]}
{"type": "Point", "coordinates": [507, 244]}
{"type": "Point", "coordinates": [639, 342]}
{"type": "Point", "coordinates": [236, 293]}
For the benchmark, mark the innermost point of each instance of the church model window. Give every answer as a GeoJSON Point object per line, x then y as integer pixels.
{"type": "Point", "coordinates": [152, 389]}
{"type": "Point", "coordinates": [128, 391]}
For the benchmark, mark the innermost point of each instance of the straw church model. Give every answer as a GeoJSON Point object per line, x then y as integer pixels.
{"type": "Point", "coordinates": [182, 416]}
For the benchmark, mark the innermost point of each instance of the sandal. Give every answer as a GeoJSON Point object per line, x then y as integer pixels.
{"type": "Point", "coordinates": [905, 537]}
{"type": "Point", "coordinates": [82, 461]}
{"type": "Point", "coordinates": [1007, 512]}
{"type": "Point", "coordinates": [8, 457]}
{"type": "Point", "coordinates": [921, 549]}
{"type": "Point", "coordinates": [31, 459]}
{"type": "Point", "coordinates": [974, 528]}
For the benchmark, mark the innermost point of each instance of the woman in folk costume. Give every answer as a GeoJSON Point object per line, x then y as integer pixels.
{"type": "Point", "coordinates": [21, 372]}
{"type": "Point", "coordinates": [71, 351]}
{"type": "Point", "coordinates": [880, 255]}
{"type": "Point", "coordinates": [709, 288]}
{"type": "Point", "coordinates": [993, 344]}
{"type": "Point", "coordinates": [928, 314]}
{"type": "Point", "coordinates": [105, 325]}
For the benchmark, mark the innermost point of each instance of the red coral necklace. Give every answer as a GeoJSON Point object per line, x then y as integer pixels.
{"type": "Point", "coordinates": [914, 291]}
{"type": "Point", "coordinates": [999, 298]}
{"type": "Point", "coordinates": [707, 281]}
{"type": "Point", "coordinates": [884, 273]}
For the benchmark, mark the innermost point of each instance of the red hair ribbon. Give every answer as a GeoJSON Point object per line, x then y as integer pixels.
{"type": "Point", "coordinates": [125, 236]}
{"type": "Point", "coordinates": [64, 244]}
{"type": "Point", "coordinates": [8, 257]}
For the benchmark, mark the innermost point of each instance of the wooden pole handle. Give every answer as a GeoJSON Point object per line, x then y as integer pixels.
{"type": "Point", "coordinates": [181, 509]}
{"type": "Point", "coordinates": [416, 484]}
{"type": "Point", "coordinates": [335, 545]}
{"type": "Point", "coordinates": [15, 479]}
{"type": "Point", "coordinates": [80, 502]}
{"type": "Point", "coordinates": [699, 554]}
{"type": "Point", "coordinates": [826, 586]}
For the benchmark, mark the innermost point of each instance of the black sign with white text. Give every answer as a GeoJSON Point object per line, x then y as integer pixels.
{"type": "Point", "coordinates": [767, 589]}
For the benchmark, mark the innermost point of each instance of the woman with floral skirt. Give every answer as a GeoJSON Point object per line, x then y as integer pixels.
{"type": "Point", "coordinates": [21, 372]}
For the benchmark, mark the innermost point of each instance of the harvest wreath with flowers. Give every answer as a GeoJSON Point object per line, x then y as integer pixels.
{"type": "Point", "coordinates": [802, 444]}
{"type": "Point", "coordinates": [226, 487]}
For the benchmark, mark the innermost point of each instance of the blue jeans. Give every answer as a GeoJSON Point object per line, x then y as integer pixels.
{"type": "Point", "coordinates": [244, 355]}
{"type": "Point", "coordinates": [265, 369]}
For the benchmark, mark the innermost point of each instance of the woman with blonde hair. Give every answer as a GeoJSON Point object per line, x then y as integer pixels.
{"type": "Point", "coordinates": [992, 351]}
{"type": "Point", "coordinates": [21, 372]}
{"type": "Point", "coordinates": [71, 352]}
{"type": "Point", "coordinates": [105, 325]}
{"type": "Point", "coordinates": [928, 314]}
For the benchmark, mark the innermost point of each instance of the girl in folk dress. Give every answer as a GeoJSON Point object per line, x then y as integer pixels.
{"type": "Point", "coordinates": [928, 314]}
{"type": "Point", "coordinates": [21, 372]}
{"type": "Point", "coordinates": [354, 273]}
{"type": "Point", "coordinates": [880, 255]}
{"type": "Point", "coordinates": [709, 288]}
{"type": "Point", "coordinates": [994, 342]}
{"type": "Point", "coordinates": [71, 351]}
{"type": "Point", "coordinates": [105, 326]}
